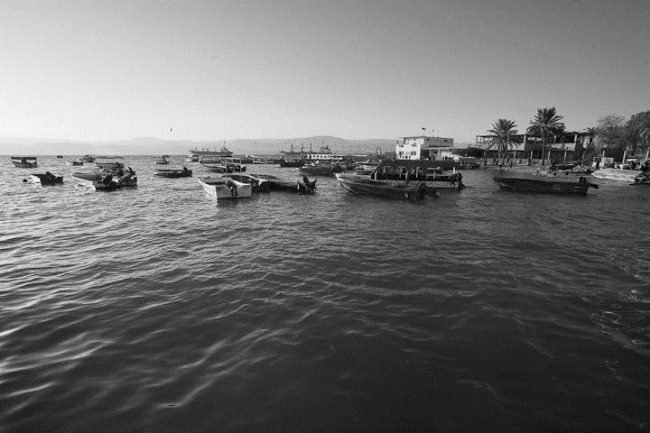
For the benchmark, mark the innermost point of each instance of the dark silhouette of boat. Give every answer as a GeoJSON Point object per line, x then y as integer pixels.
{"type": "Point", "coordinates": [543, 183]}
{"type": "Point", "coordinates": [46, 178]}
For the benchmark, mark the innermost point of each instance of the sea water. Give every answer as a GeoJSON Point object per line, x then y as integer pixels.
{"type": "Point", "coordinates": [158, 308]}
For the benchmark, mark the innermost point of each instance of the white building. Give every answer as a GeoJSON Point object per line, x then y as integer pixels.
{"type": "Point", "coordinates": [423, 147]}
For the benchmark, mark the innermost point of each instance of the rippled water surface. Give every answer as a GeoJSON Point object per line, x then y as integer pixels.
{"type": "Point", "coordinates": [156, 309]}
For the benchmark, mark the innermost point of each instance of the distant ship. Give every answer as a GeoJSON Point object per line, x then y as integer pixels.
{"type": "Point", "coordinates": [225, 153]}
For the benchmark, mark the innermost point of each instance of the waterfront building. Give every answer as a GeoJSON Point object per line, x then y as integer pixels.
{"type": "Point", "coordinates": [566, 147]}
{"type": "Point", "coordinates": [424, 147]}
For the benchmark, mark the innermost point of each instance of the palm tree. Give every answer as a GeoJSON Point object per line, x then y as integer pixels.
{"type": "Point", "coordinates": [546, 124]}
{"type": "Point", "coordinates": [591, 133]}
{"type": "Point", "coordinates": [503, 137]}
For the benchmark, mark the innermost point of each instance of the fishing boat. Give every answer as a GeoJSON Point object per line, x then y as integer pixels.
{"type": "Point", "coordinates": [192, 157]}
{"type": "Point", "coordinates": [102, 181]}
{"type": "Point", "coordinates": [218, 165]}
{"type": "Point", "coordinates": [361, 184]}
{"type": "Point", "coordinates": [109, 165]}
{"type": "Point", "coordinates": [173, 172]}
{"type": "Point", "coordinates": [225, 188]}
{"type": "Point", "coordinates": [543, 183]}
{"type": "Point", "coordinates": [321, 169]}
{"type": "Point", "coordinates": [302, 185]}
{"type": "Point", "coordinates": [161, 159]}
{"type": "Point", "coordinates": [291, 162]}
{"type": "Point", "coordinates": [257, 184]}
{"type": "Point", "coordinates": [435, 174]}
{"type": "Point", "coordinates": [24, 161]}
{"type": "Point", "coordinates": [46, 178]}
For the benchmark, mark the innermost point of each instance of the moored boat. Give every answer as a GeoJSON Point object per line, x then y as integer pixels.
{"type": "Point", "coordinates": [435, 174]}
{"type": "Point", "coordinates": [106, 181]}
{"type": "Point", "coordinates": [192, 157]}
{"type": "Point", "coordinates": [291, 162]}
{"type": "Point", "coordinates": [257, 184]}
{"type": "Point", "coordinates": [318, 169]}
{"type": "Point", "coordinates": [109, 165]}
{"type": "Point", "coordinates": [361, 184]}
{"type": "Point", "coordinates": [225, 188]}
{"type": "Point", "coordinates": [76, 162]}
{"type": "Point", "coordinates": [302, 185]}
{"type": "Point", "coordinates": [24, 161]}
{"type": "Point", "coordinates": [217, 165]}
{"type": "Point", "coordinates": [543, 183]}
{"type": "Point", "coordinates": [161, 159]}
{"type": "Point", "coordinates": [46, 178]}
{"type": "Point", "coordinates": [173, 172]}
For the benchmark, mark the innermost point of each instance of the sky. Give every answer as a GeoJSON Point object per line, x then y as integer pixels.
{"type": "Point", "coordinates": [357, 70]}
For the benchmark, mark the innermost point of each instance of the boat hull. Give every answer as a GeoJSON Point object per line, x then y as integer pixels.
{"type": "Point", "coordinates": [105, 182]}
{"type": "Point", "coordinates": [543, 184]}
{"type": "Point", "coordinates": [365, 186]}
{"type": "Point", "coordinates": [46, 179]}
{"type": "Point", "coordinates": [225, 188]}
{"type": "Point", "coordinates": [172, 173]}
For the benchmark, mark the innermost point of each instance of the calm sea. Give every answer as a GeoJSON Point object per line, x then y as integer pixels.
{"type": "Point", "coordinates": [157, 309]}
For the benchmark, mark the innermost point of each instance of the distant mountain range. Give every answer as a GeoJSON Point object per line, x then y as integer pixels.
{"type": "Point", "coordinates": [156, 146]}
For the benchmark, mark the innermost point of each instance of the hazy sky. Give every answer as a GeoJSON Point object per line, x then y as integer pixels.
{"type": "Point", "coordinates": [353, 69]}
